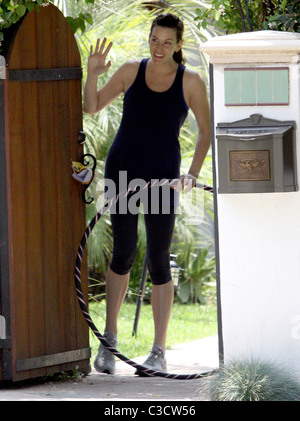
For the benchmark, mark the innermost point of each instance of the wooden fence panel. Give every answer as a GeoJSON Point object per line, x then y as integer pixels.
{"type": "Point", "coordinates": [47, 214]}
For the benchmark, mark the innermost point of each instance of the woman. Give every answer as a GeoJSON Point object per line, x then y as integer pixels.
{"type": "Point", "coordinates": [158, 93]}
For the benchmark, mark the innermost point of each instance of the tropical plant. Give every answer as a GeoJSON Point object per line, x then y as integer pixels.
{"type": "Point", "coordinates": [11, 11]}
{"type": "Point", "coordinates": [81, 19]}
{"type": "Point", "coordinates": [231, 16]}
{"type": "Point", "coordinates": [198, 281]}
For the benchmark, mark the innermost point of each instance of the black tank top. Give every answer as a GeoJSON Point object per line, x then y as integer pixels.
{"type": "Point", "coordinates": [147, 145]}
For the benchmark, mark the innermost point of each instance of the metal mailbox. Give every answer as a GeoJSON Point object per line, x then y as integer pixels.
{"type": "Point", "coordinates": [256, 155]}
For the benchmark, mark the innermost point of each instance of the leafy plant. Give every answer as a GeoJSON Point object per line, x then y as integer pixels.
{"type": "Point", "coordinates": [232, 16]}
{"type": "Point", "coordinates": [82, 19]}
{"type": "Point", "coordinates": [11, 11]}
{"type": "Point", "coordinates": [197, 276]}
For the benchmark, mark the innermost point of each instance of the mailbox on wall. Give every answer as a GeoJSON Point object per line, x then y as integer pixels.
{"type": "Point", "coordinates": [255, 90]}
{"type": "Point", "coordinates": [256, 155]}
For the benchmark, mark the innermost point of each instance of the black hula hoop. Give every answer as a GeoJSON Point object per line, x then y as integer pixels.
{"type": "Point", "coordinates": [84, 308]}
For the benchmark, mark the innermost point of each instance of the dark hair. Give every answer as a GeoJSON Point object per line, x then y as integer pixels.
{"type": "Point", "coordinates": [168, 20]}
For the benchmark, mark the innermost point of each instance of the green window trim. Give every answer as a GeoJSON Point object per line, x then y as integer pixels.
{"type": "Point", "coordinates": [256, 86]}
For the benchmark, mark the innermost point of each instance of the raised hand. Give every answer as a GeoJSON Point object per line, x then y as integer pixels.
{"type": "Point", "coordinates": [96, 61]}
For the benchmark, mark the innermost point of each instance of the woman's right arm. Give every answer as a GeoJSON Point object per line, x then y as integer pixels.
{"type": "Point", "coordinates": [94, 100]}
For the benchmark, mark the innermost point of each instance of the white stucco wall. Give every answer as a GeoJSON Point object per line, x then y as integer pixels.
{"type": "Point", "coordinates": [259, 235]}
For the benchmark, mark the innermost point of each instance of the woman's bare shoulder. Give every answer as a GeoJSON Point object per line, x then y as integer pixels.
{"type": "Point", "coordinates": [194, 87]}
{"type": "Point", "coordinates": [193, 82]}
{"type": "Point", "coordinates": [129, 72]}
{"type": "Point", "coordinates": [132, 63]}
{"type": "Point", "coordinates": [130, 67]}
{"type": "Point", "coordinates": [193, 76]}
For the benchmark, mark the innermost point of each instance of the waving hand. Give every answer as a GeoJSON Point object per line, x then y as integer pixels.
{"type": "Point", "coordinates": [96, 61]}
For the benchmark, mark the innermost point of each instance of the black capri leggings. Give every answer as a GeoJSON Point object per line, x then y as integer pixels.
{"type": "Point", "coordinates": [159, 230]}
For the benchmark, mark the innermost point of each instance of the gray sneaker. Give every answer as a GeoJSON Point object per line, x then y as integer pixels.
{"type": "Point", "coordinates": [156, 361]}
{"type": "Point", "coordinates": [105, 360]}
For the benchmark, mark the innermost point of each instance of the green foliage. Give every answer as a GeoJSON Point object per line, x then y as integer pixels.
{"type": "Point", "coordinates": [80, 21]}
{"type": "Point", "coordinates": [11, 11]}
{"type": "Point", "coordinates": [232, 16]}
{"type": "Point", "coordinates": [254, 380]}
{"type": "Point", "coordinates": [198, 277]}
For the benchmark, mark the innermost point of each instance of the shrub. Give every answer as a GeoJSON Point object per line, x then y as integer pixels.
{"type": "Point", "coordinates": [254, 380]}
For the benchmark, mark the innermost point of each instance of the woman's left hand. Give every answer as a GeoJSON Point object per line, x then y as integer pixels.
{"type": "Point", "coordinates": [186, 182]}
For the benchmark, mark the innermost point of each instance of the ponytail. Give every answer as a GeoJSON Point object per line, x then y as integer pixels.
{"type": "Point", "coordinates": [178, 57]}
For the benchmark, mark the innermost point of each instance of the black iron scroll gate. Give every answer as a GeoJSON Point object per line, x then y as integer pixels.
{"type": "Point", "coordinates": [84, 308]}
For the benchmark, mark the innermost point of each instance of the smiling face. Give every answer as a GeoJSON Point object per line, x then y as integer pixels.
{"type": "Point", "coordinates": [163, 44]}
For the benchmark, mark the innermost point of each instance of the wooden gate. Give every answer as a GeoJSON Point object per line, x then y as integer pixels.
{"type": "Point", "coordinates": [42, 212]}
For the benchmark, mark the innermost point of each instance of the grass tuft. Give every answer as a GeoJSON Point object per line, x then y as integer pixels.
{"type": "Point", "coordinates": [254, 380]}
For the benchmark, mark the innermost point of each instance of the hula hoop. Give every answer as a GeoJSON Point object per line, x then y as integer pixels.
{"type": "Point", "coordinates": [84, 308]}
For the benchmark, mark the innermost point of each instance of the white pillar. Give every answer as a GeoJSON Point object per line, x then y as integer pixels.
{"type": "Point", "coordinates": [259, 233]}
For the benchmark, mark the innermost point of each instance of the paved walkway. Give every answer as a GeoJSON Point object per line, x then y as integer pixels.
{"type": "Point", "coordinates": [195, 357]}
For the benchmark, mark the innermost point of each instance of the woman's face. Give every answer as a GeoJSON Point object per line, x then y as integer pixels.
{"type": "Point", "coordinates": [163, 44]}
